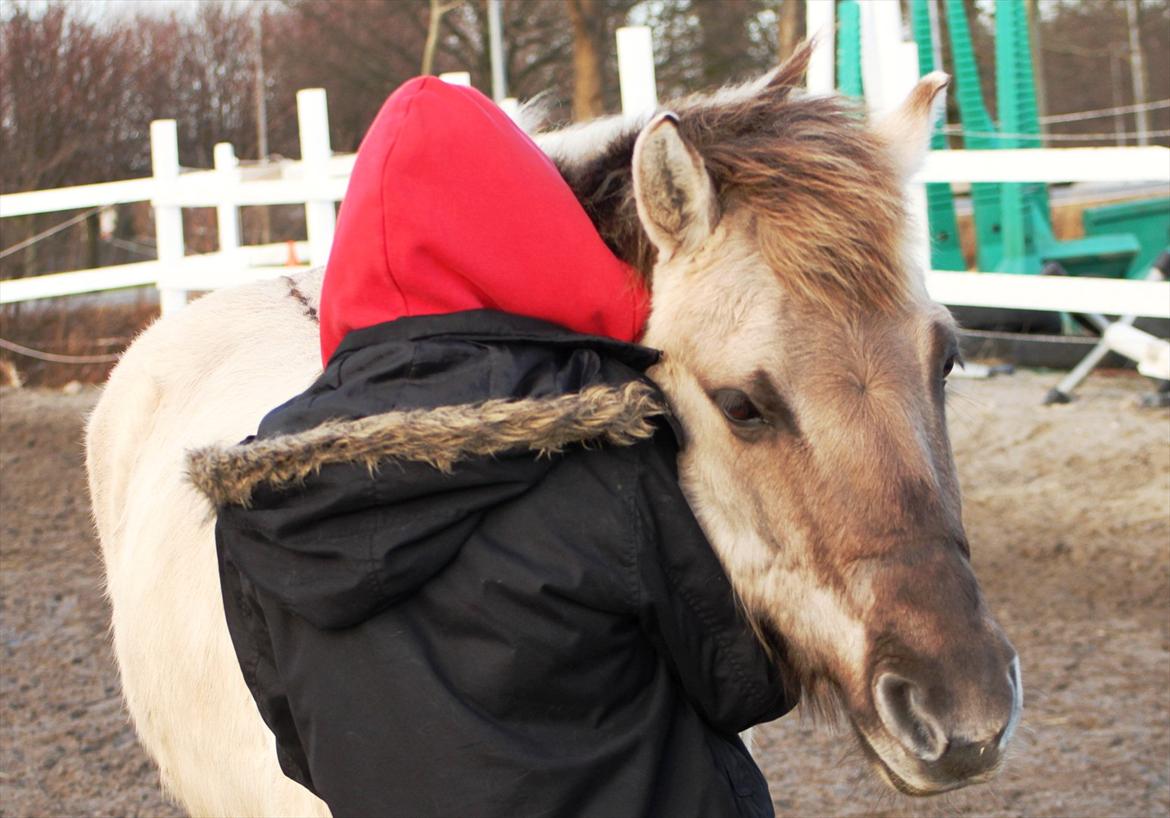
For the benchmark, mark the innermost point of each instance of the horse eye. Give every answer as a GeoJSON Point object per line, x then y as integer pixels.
{"type": "Point", "coordinates": [737, 407]}
{"type": "Point", "coordinates": [950, 364]}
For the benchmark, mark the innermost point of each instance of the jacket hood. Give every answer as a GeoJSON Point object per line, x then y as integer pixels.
{"type": "Point", "coordinates": [362, 488]}
{"type": "Point", "coordinates": [452, 207]}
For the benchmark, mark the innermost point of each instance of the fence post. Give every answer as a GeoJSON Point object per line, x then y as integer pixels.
{"type": "Point", "coordinates": [168, 218]}
{"type": "Point", "coordinates": [820, 22]}
{"type": "Point", "coordinates": [227, 213]}
{"type": "Point", "coordinates": [885, 58]}
{"type": "Point", "coordinates": [313, 120]}
{"type": "Point", "coordinates": [511, 107]}
{"type": "Point", "coordinates": [635, 50]}
{"type": "Point", "coordinates": [889, 68]}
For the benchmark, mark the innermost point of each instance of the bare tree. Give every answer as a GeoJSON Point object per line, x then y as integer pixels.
{"type": "Point", "coordinates": [60, 77]}
{"type": "Point", "coordinates": [361, 52]}
{"type": "Point", "coordinates": [588, 29]}
{"type": "Point", "coordinates": [434, 22]}
{"type": "Point", "coordinates": [1087, 62]}
{"type": "Point", "coordinates": [1137, 69]}
{"type": "Point", "coordinates": [722, 37]}
{"type": "Point", "coordinates": [790, 28]}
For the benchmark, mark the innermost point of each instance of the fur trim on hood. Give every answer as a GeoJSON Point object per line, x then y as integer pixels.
{"type": "Point", "coordinates": [440, 437]}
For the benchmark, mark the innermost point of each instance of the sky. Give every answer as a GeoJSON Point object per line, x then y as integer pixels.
{"type": "Point", "coordinates": [114, 11]}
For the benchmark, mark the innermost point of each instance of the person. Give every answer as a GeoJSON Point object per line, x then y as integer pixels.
{"type": "Point", "coordinates": [458, 570]}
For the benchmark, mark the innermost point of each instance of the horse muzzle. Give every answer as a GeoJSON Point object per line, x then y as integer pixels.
{"type": "Point", "coordinates": [933, 738]}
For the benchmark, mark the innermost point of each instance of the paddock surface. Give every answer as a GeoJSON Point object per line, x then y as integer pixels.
{"type": "Point", "coordinates": [1068, 512]}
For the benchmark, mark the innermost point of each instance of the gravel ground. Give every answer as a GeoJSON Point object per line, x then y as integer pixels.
{"type": "Point", "coordinates": [1068, 512]}
{"type": "Point", "coordinates": [66, 744]}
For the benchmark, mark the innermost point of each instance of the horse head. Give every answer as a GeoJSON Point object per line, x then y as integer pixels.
{"type": "Point", "coordinates": [807, 366]}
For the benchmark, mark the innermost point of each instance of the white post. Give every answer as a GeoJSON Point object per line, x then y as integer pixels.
{"type": "Point", "coordinates": [511, 107]}
{"type": "Point", "coordinates": [635, 52]}
{"type": "Point", "coordinates": [889, 69]}
{"type": "Point", "coordinates": [496, 50]}
{"type": "Point", "coordinates": [313, 120]}
{"type": "Point", "coordinates": [227, 214]}
{"type": "Point", "coordinates": [820, 20]}
{"type": "Point", "coordinates": [168, 219]}
{"type": "Point", "coordinates": [935, 35]}
{"type": "Point", "coordinates": [882, 60]}
{"type": "Point", "coordinates": [456, 78]}
{"type": "Point", "coordinates": [1137, 71]}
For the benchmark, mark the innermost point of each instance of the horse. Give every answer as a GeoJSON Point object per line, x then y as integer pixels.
{"type": "Point", "coordinates": [805, 365]}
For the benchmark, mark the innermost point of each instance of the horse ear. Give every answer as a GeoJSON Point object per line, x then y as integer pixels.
{"type": "Point", "coordinates": [908, 127]}
{"type": "Point", "coordinates": [675, 198]}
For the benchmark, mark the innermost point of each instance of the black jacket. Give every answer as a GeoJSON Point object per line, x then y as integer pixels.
{"type": "Point", "coordinates": [462, 580]}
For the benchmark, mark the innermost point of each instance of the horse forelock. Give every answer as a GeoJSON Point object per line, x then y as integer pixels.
{"type": "Point", "coordinates": [820, 186]}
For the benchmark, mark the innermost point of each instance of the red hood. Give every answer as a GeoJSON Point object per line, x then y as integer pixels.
{"type": "Point", "coordinates": [452, 207]}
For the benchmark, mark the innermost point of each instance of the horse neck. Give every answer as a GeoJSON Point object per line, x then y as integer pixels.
{"type": "Point", "coordinates": [595, 160]}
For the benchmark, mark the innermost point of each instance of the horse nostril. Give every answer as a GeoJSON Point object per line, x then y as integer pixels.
{"type": "Point", "coordinates": [901, 707]}
{"type": "Point", "coordinates": [1017, 687]}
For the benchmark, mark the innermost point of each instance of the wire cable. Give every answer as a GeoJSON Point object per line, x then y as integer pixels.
{"type": "Point", "coordinates": [20, 245]}
{"type": "Point", "coordinates": [958, 130]}
{"type": "Point", "coordinates": [55, 358]}
{"type": "Point", "coordinates": [134, 247]}
{"type": "Point", "coordinates": [1100, 113]}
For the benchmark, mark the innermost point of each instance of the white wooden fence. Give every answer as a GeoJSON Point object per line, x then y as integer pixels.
{"type": "Point", "coordinates": [319, 180]}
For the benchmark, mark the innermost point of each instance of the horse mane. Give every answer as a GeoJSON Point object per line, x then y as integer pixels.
{"type": "Point", "coordinates": [825, 196]}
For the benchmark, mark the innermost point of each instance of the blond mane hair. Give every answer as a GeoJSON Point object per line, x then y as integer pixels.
{"type": "Point", "coordinates": [821, 186]}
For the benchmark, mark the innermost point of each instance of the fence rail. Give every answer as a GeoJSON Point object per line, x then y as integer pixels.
{"type": "Point", "coordinates": [1150, 299]}
{"type": "Point", "coordinates": [319, 179]}
{"type": "Point", "coordinates": [77, 197]}
{"type": "Point", "coordinates": [1148, 164]}
{"type": "Point", "coordinates": [205, 271]}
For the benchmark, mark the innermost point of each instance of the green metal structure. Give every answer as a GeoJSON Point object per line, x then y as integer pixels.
{"type": "Point", "coordinates": [1018, 122]}
{"type": "Point", "coordinates": [945, 251]}
{"type": "Point", "coordinates": [978, 134]}
{"type": "Point", "coordinates": [1147, 220]}
{"type": "Point", "coordinates": [1028, 240]}
{"type": "Point", "coordinates": [1013, 226]}
{"type": "Point", "coordinates": [1012, 223]}
{"type": "Point", "coordinates": [849, 49]}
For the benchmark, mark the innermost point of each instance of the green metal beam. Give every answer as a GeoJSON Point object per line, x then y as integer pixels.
{"type": "Point", "coordinates": [945, 250]}
{"type": "Point", "coordinates": [1024, 206]}
{"type": "Point", "coordinates": [978, 134]}
{"type": "Point", "coordinates": [849, 49]}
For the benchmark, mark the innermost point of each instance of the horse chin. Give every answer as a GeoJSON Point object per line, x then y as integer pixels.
{"type": "Point", "coordinates": [920, 787]}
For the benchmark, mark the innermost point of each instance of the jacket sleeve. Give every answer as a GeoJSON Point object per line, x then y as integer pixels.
{"type": "Point", "coordinates": [250, 638]}
{"type": "Point", "coordinates": [689, 610]}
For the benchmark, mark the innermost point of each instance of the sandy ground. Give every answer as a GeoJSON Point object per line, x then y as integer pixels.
{"type": "Point", "coordinates": [1068, 512]}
